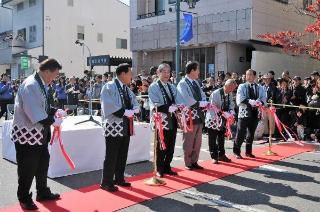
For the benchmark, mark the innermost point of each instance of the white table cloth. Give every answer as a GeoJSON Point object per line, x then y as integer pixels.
{"type": "Point", "coordinates": [85, 144]}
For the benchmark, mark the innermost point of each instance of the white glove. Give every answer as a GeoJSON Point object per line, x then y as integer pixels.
{"type": "Point", "coordinates": [61, 113]}
{"type": "Point", "coordinates": [203, 104]}
{"type": "Point", "coordinates": [227, 115]}
{"type": "Point", "coordinates": [252, 102]}
{"type": "Point", "coordinates": [136, 110]}
{"type": "Point", "coordinates": [57, 122]}
{"type": "Point", "coordinates": [258, 103]}
{"type": "Point", "coordinates": [172, 109]}
{"type": "Point", "coordinates": [128, 113]}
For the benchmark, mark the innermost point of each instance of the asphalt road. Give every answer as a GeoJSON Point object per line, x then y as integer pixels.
{"type": "Point", "coordinates": [292, 184]}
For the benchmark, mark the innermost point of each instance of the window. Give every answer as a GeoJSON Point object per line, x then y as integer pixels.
{"type": "Point", "coordinates": [121, 43]}
{"type": "Point", "coordinates": [148, 8]}
{"type": "Point", "coordinates": [70, 3]}
{"type": "Point", "coordinates": [306, 3]}
{"type": "Point", "coordinates": [283, 1]}
{"type": "Point", "coordinates": [32, 34]}
{"type": "Point", "coordinates": [32, 3]}
{"type": "Point", "coordinates": [20, 6]}
{"type": "Point", "coordinates": [21, 34]}
{"type": "Point", "coordinates": [80, 32]}
{"type": "Point", "coordinates": [159, 7]}
{"type": "Point", "coordinates": [100, 37]}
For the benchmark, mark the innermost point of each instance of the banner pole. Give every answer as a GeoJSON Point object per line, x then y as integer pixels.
{"type": "Point", "coordinates": [270, 152]}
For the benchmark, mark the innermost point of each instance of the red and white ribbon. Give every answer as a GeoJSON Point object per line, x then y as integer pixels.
{"type": "Point", "coordinates": [131, 125]}
{"type": "Point", "coordinates": [57, 135]}
{"type": "Point", "coordinates": [182, 117]}
{"type": "Point", "coordinates": [158, 126]}
{"type": "Point", "coordinates": [281, 126]}
{"type": "Point", "coordinates": [229, 119]}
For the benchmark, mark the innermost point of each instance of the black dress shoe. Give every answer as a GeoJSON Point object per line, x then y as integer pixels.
{"type": "Point", "coordinates": [159, 174]}
{"type": "Point", "coordinates": [110, 188]}
{"type": "Point", "coordinates": [28, 205]}
{"type": "Point", "coordinates": [170, 172]}
{"type": "Point", "coordinates": [123, 184]}
{"type": "Point", "coordinates": [250, 155]}
{"type": "Point", "coordinates": [47, 197]}
{"type": "Point", "coordinates": [224, 158]}
{"type": "Point", "coordinates": [196, 166]}
{"type": "Point", "coordinates": [238, 156]}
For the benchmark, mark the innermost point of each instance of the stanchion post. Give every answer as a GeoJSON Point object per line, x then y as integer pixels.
{"type": "Point", "coordinates": [270, 152]}
{"type": "Point", "coordinates": [154, 181]}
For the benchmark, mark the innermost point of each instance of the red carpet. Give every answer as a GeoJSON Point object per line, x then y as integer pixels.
{"type": "Point", "coordinates": [94, 199]}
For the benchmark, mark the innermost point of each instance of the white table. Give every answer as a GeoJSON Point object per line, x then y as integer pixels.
{"type": "Point", "coordinates": [85, 144]}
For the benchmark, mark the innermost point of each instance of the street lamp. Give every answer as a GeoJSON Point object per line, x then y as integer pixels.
{"type": "Point", "coordinates": [192, 4]}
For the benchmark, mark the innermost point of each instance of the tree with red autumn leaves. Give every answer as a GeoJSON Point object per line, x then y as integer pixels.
{"type": "Point", "coordinates": [293, 42]}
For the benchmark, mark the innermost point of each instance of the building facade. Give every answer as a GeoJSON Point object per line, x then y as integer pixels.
{"type": "Point", "coordinates": [225, 35]}
{"type": "Point", "coordinates": [5, 38]}
{"type": "Point", "coordinates": [50, 28]}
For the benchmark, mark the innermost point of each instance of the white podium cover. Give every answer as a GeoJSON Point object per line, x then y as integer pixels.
{"type": "Point", "coordinates": [85, 144]}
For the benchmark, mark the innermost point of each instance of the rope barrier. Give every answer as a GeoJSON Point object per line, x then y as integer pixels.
{"type": "Point", "coordinates": [295, 106]}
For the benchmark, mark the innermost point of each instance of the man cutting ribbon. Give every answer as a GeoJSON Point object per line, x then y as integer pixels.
{"type": "Point", "coordinates": [217, 120]}
{"type": "Point", "coordinates": [118, 104]}
{"type": "Point", "coordinates": [33, 116]}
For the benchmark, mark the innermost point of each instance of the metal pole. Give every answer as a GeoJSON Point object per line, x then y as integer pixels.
{"type": "Point", "coordinates": [154, 181]}
{"type": "Point", "coordinates": [270, 152]}
{"type": "Point", "coordinates": [91, 78]}
{"type": "Point", "coordinates": [178, 56]}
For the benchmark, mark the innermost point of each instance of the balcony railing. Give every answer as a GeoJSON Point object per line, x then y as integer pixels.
{"type": "Point", "coordinates": [153, 14]}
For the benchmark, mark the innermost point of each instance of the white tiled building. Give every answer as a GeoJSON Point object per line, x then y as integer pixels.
{"type": "Point", "coordinates": [224, 34]}
{"type": "Point", "coordinates": [51, 27]}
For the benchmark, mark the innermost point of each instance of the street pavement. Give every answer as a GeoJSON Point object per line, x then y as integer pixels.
{"type": "Point", "coordinates": [292, 184]}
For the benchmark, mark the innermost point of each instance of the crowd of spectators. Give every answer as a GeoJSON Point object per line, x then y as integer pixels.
{"type": "Point", "coordinates": [284, 90]}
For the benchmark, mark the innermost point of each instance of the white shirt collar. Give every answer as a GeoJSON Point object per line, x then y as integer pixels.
{"type": "Point", "coordinates": [42, 80]}
{"type": "Point", "coordinates": [121, 84]}
{"type": "Point", "coordinates": [191, 80]}
{"type": "Point", "coordinates": [163, 83]}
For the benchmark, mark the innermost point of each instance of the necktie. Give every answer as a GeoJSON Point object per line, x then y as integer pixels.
{"type": "Point", "coordinates": [166, 87]}
{"type": "Point", "coordinates": [197, 91]}
{"type": "Point", "coordinates": [127, 101]}
{"type": "Point", "coordinates": [251, 92]}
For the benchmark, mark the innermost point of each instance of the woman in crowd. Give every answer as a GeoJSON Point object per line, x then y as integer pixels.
{"type": "Point", "coordinates": [60, 90]}
{"type": "Point", "coordinates": [144, 103]}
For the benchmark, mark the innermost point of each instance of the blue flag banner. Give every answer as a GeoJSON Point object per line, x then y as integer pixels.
{"type": "Point", "coordinates": [187, 31]}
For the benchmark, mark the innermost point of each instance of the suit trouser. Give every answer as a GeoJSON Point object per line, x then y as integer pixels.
{"type": "Point", "coordinates": [268, 122]}
{"type": "Point", "coordinates": [192, 144]}
{"type": "Point", "coordinates": [32, 161]}
{"type": "Point", "coordinates": [246, 128]}
{"type": "Point", "coordinates": [164, 157]}
{"type": "Point", "coordinates": [216, 143]}
{"type": "Point", "coordinates": [115, 160]}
